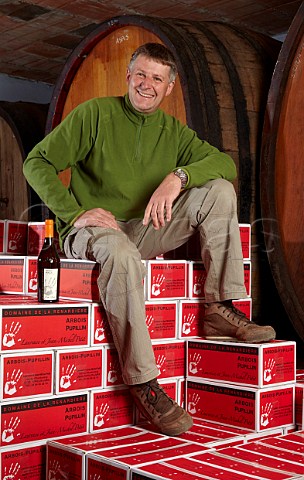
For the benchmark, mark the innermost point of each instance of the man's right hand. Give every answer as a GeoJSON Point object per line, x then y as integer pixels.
{"type": "Point", "coordinates": [97, 217]}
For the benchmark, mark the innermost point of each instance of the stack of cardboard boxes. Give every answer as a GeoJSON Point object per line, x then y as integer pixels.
{"type": "Point", "coordinates": [61, 385]}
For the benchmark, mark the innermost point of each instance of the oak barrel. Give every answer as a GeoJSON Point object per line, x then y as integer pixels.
{"type": "Point", "coordinates": [282, 174]}
{"type": "Point", "coordinates": [221, 92]}
{"type": "Point", "coordinates": [22, 125]}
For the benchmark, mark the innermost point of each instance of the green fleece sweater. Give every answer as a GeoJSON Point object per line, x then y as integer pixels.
{"type": "Point", "coordinates": [118, 157]}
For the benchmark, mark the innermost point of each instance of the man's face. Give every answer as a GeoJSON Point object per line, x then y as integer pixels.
{"type": "Point", "coordinates": [149, 83]}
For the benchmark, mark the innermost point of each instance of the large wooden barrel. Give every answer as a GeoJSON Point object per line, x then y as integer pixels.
{"type": "Point", "coordinates": [282, 174]}
{"type": "Point", "coordinates": [22, 125]}
{"type": "Point", "coordinates": [221, 92]}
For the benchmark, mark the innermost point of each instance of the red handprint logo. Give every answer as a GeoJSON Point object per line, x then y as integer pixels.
{"type": "Point", "coordinates": [187, 323]}
{"type": "Point", "coordinates": [11, 473]}
{"type": "Point", "coordinates": [9, 429]}
{"type": "Point", "coordinates": [266, 415]}
{"type": "Point", "coordinates": [10, 387]}
{"type": "Point", "coordinates": [157, 283]}
{"type": "Point", "coordinates": [66, 377]}
{"type": "Point", "coordinates": [99, 418]}
{"type": "Point", "coordinates": [9, 335]}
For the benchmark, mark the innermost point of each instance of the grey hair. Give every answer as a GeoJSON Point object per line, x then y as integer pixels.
{"type": "Point", "coordinates": [159, 53]}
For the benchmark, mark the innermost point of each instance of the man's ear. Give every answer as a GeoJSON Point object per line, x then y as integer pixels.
{"type": "Point", "coordinates": [128, 73]}
{"type": "Point", "coordinates": [170, 88]}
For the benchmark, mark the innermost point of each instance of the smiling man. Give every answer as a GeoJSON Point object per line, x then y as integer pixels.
{"type": "Point", "coordinates": [141, 184]}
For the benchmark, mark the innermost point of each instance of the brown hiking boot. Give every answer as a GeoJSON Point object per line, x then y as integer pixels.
{"type": "Point", "coordinates": [160, 409]}
{"type": "Point", "coordinates": [224, 321]}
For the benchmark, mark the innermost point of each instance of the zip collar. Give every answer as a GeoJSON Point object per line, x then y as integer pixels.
{"type": "Point", "coordinates": [138, 117]}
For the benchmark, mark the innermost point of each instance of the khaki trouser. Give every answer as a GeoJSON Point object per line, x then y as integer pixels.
{"type": "Point", "coordinates": [211, 210]}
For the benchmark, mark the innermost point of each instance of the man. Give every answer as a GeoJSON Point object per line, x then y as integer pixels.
{"type": "Point", "coordinates": [141, 184]}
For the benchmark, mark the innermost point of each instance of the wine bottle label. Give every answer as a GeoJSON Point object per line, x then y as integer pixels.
{"type": "Point", "coordinates": [50, 283]}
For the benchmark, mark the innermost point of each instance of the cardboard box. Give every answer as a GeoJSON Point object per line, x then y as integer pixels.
{"type": "Point", "coordinates": [12, 274]}
{"type": "Point", "coordinates": [287, 455]}
{"type": "Point", "coordinates": [41, 419]}
{"type": "Point", "coordinates": [213, 438]}
{"type": "Point", "coordinates": [161, 319]}
{"type": "Point", "coordinates": [198, 274]}
{"type": "Point", "coordinates": [112, 370]}
{"type": "Point", "coordinates": [15, 237]}
{"type": "Point", "coordinates": [170, 358]}
{"type": "Point", "coordinates": [23, 461]}
{"type": "Point", "coordinates": [61, 325]}
{"type": "Point", "coordinates": [2, 226]}
{"type": "Point", "coordinates": [167, 279]}
{"type": "Point", "coordinates": [31, 279]}
{"type": "Point", "coordinates": [67, 456]}
{"type": "Point", "coordinates": [257, 365]}
{"type": "Point", "coordinates": [160, 471]}
{"type": "Point", "coordinates": [78, 280]}
{"type": "Point", "coordinates": [252, 408]}
{"type": "Point", "coordinates": [299, 404]}
{"type": "Point", "coordinates": [214, 465]}
{"type": "Point", "coordinates": [245, 233]}
{"type": "Point", "coordinates": [79, 369]}
{"type": "Point", "coordinates": [100, 328]}
{"type": "Point", "coordinates": [26, 374]}
{"type": "Point", "coordinates": [110, 407]}
{"type": "Point", "coordinates": [245, 306]}
{"type": "Point", "coordinates": [35, 235]}
{"type": "Point", "coordinates": [263, 460]}
{"type": "Point", "coordinates": [190, 314]}
{"type": "Point", "coordinates": [121, 460]}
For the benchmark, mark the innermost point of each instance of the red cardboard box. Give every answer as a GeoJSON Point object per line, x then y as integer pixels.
{"type": "Point", "coordinates": [23, 461]}
{"type": "Point", "coordinates": [15, 237]}
{"type": "Point", "coordinates": [112, 370]}
{"type": "Point", "coordinates": [26, 375]}
{"type": "Point", "coordinates": [60, 325]}
{"type": "Point", "coordinates": [245, 306]}
{"type": "Point", "coordinates": [35, 235]}
{"type": "Point", "coordinates": [267, 461]}
{"type": "Point", "coordinates": [110, 407]}
{"type": "Point", "coordinates": [79, 369]}
{"type": "Point", "coordinates": [214, 438]}
{"type": "Point", "coordinates": [67, 456]}
{"type": "Point", "coordinates": [257, 365]}
{"type": "Point", "coordinates": [12, 274]}
{"type": "Point", "coordinates": [281, 454]}
{"type": "Point", "coordinates": [2, 226]}
{"type": "Point", "coordinates": [214, 465]}
{"type": "Point", "coordinates": [170, 358]}
{"type": "Point", "coordinates": [40, 419]}
{"type": "Point", "coordinates": [161, 319]}
{"type": "Point", "coordinates": [299, 404]}
{"type": "Point", "coordinates": [245, 407]}
{"type": "Point", "coordinates": [31, 282]}
{"type": "Point", "coordinates": [191, 315]}
{"type": "Point", "coordinates": [245, 233]}
{"type": "Point", "coordinates": [160, 471]}
{"type": "Point", "coordinates": [167, 279]}
{"type": "Point", "coordinates": [78, 280]}
{"type": "Point", "coordinates": [100, 328]}
{"type": "Point", "coordinates": [197, 278]}
{"type": "Point", "coordinates": [121, 460]}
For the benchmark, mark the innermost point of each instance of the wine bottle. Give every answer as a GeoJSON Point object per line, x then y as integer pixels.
{"type": "Point", "coordinates": [48, 267]}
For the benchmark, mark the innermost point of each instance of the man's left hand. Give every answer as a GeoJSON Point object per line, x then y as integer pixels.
{"type": "Point", "coordinates": [159, 208]}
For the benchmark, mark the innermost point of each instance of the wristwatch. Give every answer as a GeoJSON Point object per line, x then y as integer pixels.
{"type": "Point", "coordinates": [182, 175]}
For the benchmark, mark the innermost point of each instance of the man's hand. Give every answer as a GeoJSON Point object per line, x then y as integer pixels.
{"type": "Point", "coordinates": [159, 208]}
{"type": "Point", "coordinates": [97, 217]}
